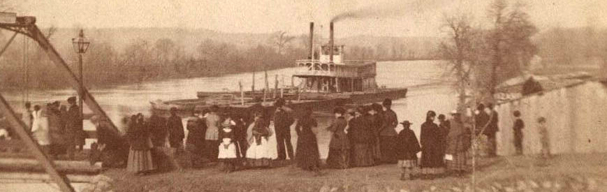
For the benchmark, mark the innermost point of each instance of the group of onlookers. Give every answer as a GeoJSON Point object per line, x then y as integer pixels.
{"type": "Point", "coordinates": [369, 135]}
{"type": "Point", "coordinates": [360, 137]}
{"type": "Point", "coordinates": [55, 127]}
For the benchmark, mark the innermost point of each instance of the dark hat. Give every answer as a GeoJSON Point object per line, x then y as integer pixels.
{"type": "Point", "coordinates": [71, 99]}
{"type": "Point", "coordinates": [431, 114]}
{"type": "Point", "coordinates": [279, 102]}
{"type": "Point", "coordinates": [441, 116]}
{"type": "Point", "coordinates": [406, 122]}
{"type": "Point", "coordinates": [214, 108]}
{"type": "Point", "coordinates": [339, 110]}
{"type": "Point", "coordinates": [480, 107]}
{"type": "Point", "coordinates": [387, 102]}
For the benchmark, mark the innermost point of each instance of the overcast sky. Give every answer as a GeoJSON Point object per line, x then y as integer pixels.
{"type": "Point", "coordinates": [394, 17]}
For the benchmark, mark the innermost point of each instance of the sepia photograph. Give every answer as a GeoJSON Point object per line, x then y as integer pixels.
{"type": "Point", "coordinates": [303, 96]}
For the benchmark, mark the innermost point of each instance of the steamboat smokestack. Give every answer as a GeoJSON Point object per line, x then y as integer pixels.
{"type": "Point", "coordinates": [311, 40]}
{"type": "Point", "coordinates": [331, 42]}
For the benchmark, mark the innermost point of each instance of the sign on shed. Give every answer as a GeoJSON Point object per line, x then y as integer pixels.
{"type": "Point", "coordinates": [8, 18]}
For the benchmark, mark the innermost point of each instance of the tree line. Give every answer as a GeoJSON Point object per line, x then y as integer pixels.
{"type": "Point", "coordinates": [141, 61]}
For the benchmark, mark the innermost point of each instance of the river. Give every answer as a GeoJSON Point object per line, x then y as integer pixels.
{"type": "Point", "coordinates": [124, 100]}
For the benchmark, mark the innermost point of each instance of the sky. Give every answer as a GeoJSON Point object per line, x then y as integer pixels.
{"type": "Point", "coordinates": [386, 17]}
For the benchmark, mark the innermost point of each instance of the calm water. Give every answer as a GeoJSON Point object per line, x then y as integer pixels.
{"type": "Point", "coordinates": [128, 99]}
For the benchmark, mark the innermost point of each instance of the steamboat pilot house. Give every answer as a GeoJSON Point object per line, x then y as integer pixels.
{"type": "Point", "coordinates": [329, 72]}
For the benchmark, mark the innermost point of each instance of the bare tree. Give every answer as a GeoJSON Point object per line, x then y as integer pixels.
{"type": "Point", "coordinates": [460, 51]}
{"type": "Point", "coordinates": [280, 39]}
{"type": "Point", "coordinates": [509, 42]}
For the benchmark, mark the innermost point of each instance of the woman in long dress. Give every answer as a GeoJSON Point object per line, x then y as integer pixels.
{"type": "Point", "coordinates": [458, 143]}
{"type": "Point", "coordinates": [376, 119]}
{"type": "Point", "coordinates": [259, 153]}
{"type": "Point", "coordinates": [307, 155]}
{"type": "Point", "coordinates": [140, 155]}
{"type": "Point", "coordinates": [339, 147]}
{"type": "Point", "coordinates": [361, 139]}
{"type": "Point", "coordinates": [431, 142]}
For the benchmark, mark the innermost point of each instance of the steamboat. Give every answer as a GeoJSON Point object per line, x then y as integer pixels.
{"type": "Point", "coordinates": [327, 80]}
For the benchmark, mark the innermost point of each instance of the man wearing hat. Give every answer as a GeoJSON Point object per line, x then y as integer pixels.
{"type": "Point", "coordinates": [458, 143]}
{"type": "Point", "coordinates": [282, 123]}
{"type": "Point", "coordinates": [176, 132]}
{"type": "Point", "coordinates": [73, 126]}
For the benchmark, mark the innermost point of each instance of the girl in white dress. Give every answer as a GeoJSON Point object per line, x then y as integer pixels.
{"type": "Point", "coordinates": [227, 148]}
{"type": "Point", "coordinates": [260, 152]}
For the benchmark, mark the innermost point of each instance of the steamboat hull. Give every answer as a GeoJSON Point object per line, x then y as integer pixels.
{"type": "Point", "coordinates": [319, 105]}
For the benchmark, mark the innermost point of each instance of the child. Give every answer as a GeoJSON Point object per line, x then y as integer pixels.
{"type": "Point", "coordinates": [227, 148]}
{"type": "Point", "coordinates": [519, 125]}
{"type": "Point", "coordinates": [544, 137]}
{"type": "Point", "coordinates": [406, 151]}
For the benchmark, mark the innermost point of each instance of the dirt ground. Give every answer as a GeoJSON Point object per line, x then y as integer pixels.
{"type": "Point", "coordinates": [379, 178]}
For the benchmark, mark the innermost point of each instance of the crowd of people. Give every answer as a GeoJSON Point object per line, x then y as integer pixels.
{"type": "Point", "coordinates": [56, 128]}
{"type": "Point", "coordinates": [360, 137]}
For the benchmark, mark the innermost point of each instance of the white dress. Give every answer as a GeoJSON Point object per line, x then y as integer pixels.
{"type": "Point", "coordinates": [261, 154]}
{"type": "Point", "coordinates": [227, 148]}
{"type": "Point", "coordinates": [40, 128]}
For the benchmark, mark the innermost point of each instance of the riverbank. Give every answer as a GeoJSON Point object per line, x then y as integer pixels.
{"type": "Point", "coordinates": [571, 172]}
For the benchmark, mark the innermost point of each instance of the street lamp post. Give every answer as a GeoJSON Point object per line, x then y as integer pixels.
{"type": "Point", "coordinates": [81, 44]}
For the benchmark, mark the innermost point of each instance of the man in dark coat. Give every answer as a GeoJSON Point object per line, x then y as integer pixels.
{"type": "Point", "coordinates": [176, 132]}
{"type": "Point", "coordinates": [481, 118]}
{"type": "Point", "coordinates": [159, 134]}
{"type": "Point", "coordinates": [195, 142]}
{"type": "Point", "coordinates": [432, 143]}
{"type": "Point", "coordinates": [113, 149]}
{"type": "Point", "coordinates": [158, 130]}
{"type": "Point", "coordinates": [282, 124]}
{"type": "Point", "coordinates": [492, 129]}
{"type": "Point", "coordinates": [74, 130]}
{"type": "Point", "coordinates": [388, 133]}
{"type": "Point", "coordinates": [518, 127]}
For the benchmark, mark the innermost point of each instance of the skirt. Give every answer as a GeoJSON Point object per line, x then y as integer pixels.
{"type": "Point", "coordinates": [227, 153]}
{"type": "Point", "coordinates": [458, 163]}
{"type": "Point", "coordinates": [260, 155]}
{"type": "Point", "coordinates": [407, 163]}
{"type": "Point", "coordinates": [338, 158]}
{"type": "Point", "coordinates": [307, 155]}
{"type": "Point", "coordinates": [388, 146]}
{"type": "Point", "coordinates": [140, 161]}
{"type": "Point", "coordinates": [362, 155]}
